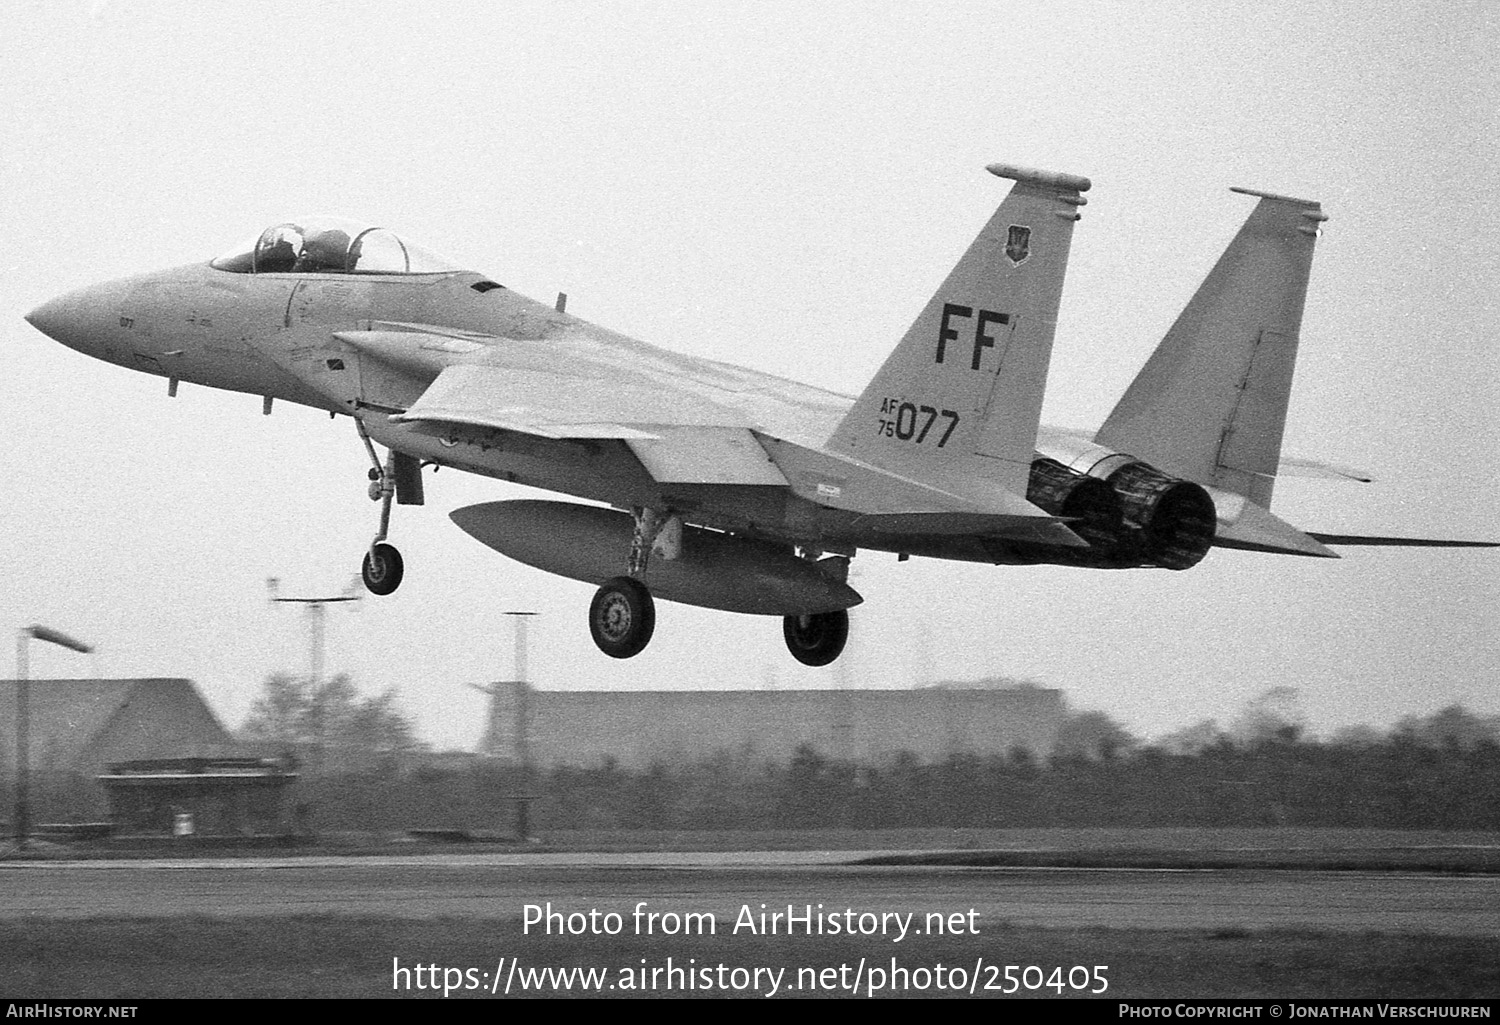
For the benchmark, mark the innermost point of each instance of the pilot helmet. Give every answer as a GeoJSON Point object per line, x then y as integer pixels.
{"type": "Point", "coordinates": [325, 249]}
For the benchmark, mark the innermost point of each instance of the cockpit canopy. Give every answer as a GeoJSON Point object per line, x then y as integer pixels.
{"type": "Point", "coordinates": [331, 245]}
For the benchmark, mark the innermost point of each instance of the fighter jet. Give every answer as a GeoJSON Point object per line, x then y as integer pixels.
{"type": "Point", "coordinates": [732, 489]}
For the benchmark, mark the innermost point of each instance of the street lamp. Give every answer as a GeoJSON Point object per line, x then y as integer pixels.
{"type": "Point", "coordinates": [490, 744]}
{"type": "Point", "coordinates": [315, 621]}
{"type": "Point", "coordinates": [316, 628]}
{"type": "Point", "coordinates": [23, 717]}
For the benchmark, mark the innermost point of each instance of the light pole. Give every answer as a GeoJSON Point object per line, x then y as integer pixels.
{"type": "Point", "coordinates": [316, 628]}
{"type": "Point", "coordinates": [315, 622]}
{"type": "Point", "coordinates": [490, 744]}
{"type": "Point", "coordinates": [23, 718]}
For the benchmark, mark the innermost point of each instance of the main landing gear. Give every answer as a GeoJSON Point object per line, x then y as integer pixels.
{"type": "Point", "coordinates": [382, 568]}
{"type": "Point", "coordinates": [818, 639]}
{"type": "Point", "coordinates": [622, 616]}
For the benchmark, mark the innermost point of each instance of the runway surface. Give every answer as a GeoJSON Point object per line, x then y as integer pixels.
{"type": "Point", "coordinates": [498, 886]}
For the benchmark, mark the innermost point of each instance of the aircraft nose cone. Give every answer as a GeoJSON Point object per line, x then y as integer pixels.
{"type": "Point", "coordinates": [63, 319]}
{"type": "Point", "coordinates": [47, 318]}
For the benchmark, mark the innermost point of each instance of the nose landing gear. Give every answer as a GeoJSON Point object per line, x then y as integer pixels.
{"type": "Point", "coordinates": [382, 568]}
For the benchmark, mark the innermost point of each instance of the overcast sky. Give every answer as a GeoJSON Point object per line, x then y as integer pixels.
{"type": "Point", "coordinates": [781, 185]}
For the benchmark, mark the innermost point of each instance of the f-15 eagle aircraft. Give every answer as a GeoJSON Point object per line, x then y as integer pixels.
{"type": "Point", "coordinates": [734, 489]}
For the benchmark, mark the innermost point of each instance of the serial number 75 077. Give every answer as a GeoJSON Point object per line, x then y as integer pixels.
{"type": "Point", "coordinates": [906, 421]}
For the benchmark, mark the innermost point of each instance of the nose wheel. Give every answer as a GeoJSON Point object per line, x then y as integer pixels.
{"type": "Point", "coordinates": [818, 639]}
{"type": "Point", "coordinates": [622, 617]}
{"type": "Point", "coordinates": [382, 569]}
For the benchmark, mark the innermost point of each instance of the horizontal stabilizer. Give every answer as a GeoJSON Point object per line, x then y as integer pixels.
{"type": "Point", "coordinates": [1400, 542]}
{"type": "Point", "coordinates": [1245, 525]}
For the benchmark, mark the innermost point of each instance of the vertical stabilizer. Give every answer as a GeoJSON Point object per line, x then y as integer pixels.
{"type": "Point", "coordinates": [1210, 404]}
{"type": "Point", "coordinates": [963, 389]}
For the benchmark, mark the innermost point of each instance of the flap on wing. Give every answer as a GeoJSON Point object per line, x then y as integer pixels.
{"type": "Point", "coordinates": [706, 455]}
{"type": "Point", "coordinates": [556, 404]}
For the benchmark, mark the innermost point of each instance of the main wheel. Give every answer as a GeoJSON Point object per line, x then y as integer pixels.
{"type": "Point", "coordinates": [382, 569]}
{"type": "Point", "coordinates": [622, 617]}
{"type": "Point", "coordinates": [818, 639]}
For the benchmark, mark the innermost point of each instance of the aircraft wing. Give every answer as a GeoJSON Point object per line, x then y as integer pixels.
{"type": "Point", "coordinates": [679, 436]}
{"type": "Point", "coordinates": [561, 402]}
{"type": "Point", "coordinates": [585, 382]}
{"type": "Point", "coordinates": [692, 429]}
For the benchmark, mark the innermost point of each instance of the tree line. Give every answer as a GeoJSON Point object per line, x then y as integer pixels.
{"type": "Point", "coordinates": [1437, 772]}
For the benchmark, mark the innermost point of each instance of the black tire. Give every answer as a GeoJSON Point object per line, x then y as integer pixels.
{"type": "Point", "coordinates": [382, 569]}
{"type": "Point", "coordinates": [622, 617]}
{"type": "Point", "coordinates": [818, 639]}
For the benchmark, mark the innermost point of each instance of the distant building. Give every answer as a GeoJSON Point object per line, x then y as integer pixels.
{"type": "Point", "coordinates": [637, 728]}
{"type": "Point", "coordinates": [79, 727]}
{"type": "Point", "coordinates": [199, 796]}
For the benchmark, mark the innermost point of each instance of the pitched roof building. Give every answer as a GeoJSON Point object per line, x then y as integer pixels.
{"type": "Point", "coordinates": [78, 727]}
